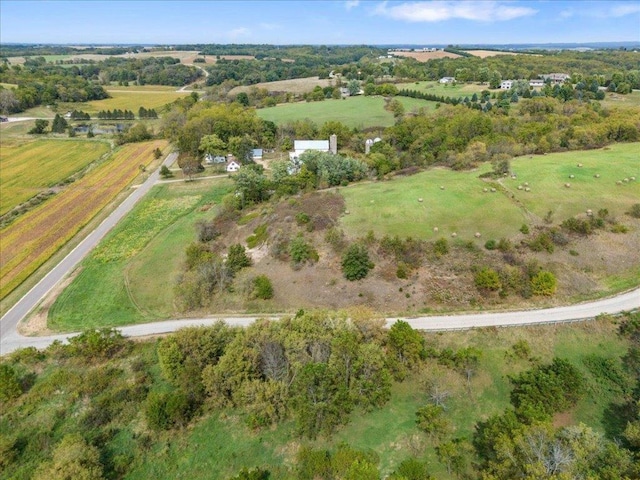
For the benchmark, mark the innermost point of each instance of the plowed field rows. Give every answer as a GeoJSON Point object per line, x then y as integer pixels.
{"type": "Point", "coordinates": [31, 240]}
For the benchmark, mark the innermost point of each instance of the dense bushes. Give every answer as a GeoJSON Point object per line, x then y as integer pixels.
{"type": "Point", "coordinates": [356, 263]}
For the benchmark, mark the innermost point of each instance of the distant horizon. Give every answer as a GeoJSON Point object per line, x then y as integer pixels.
{"type": "Point", "coordinates": [320, 22]}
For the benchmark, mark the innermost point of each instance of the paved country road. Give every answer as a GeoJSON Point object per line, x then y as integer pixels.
{"type": "Point", "coordinates": [11, 340]}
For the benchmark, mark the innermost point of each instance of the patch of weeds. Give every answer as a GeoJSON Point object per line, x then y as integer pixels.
{"type": "Point", "coordinates": [259, 236]}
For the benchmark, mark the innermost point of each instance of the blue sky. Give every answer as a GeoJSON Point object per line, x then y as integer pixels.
{"type": "Point", "coordinates": [319, 22]}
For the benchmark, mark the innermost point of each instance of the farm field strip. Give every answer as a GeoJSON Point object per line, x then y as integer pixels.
{"type": "Point", "coordinates": [32, 239]}
{"type": "Point", "coordinates": [28, 167]}
{"type": "Point", "coordinates": [131, 100]}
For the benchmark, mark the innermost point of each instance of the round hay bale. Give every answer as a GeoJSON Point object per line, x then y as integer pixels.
{"type": "Point", "coordinates": [527, 189]}
{"type": "Point", "coordinates": [493, 190]}
{"type": "Point", "coordinates": [441, 187]}
{"type": "Point", "coordinates": [519, 187]}
{"type": "Point", "coordinates": [372, 201]}
{"type": "Point", "coordinates": [420, 200]}
{"type": "Point", "coordinates": [568, 185]}
{"type": "Point", "coordinates": [477, 235]}
{"type": "Point", "coordinates": [625, 180]}
{"type": "Point", "coordinates": [589, 212]}
{"type": "Point", "coordinates": [572, 176]}
{"type": "Point", "coordinates": [454, 234]}
{"type": "Point", "coordinates": [597, 175]}
{"type": "Point", "coordinates": [526, 184]}
{"type": "Point", "coordinates": [513, 177]}
{"type": "Point", "coordinates": [346, 212]}
{"type": "Point", "coordinates": [485, 190]}
{"type": "Point", "coordinates": [435, 229]}
{"type": "Point", "coordinates": [618, 182]}
{"type": "Point", "coordinates": [579, 165]}
{"type": "Point", "coordinates": [633, 179]}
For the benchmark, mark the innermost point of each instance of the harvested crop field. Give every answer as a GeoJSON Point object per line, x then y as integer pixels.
{"type": "Point", "coordinates": [32, 239]}
{"type": "Point", "coordinates": [426, 56]}
{"type": "Point", "coordinates": [132, 99]}
{"type": "Point", "coordinates": [489, 53]}
{"type": "Point", "coordinates": [296, 85]}
{"type": "Point", "coordinates": [28, 167]}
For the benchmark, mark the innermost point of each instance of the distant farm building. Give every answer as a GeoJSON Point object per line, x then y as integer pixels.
{"type": "Point", "coordinates": [555, 77]}
{"type": "Point", "coordinates": [301, 146]}
{"type": "Point", "coordinates": [232, 166]}
{"type": "Point", "coordinates": [446, 80]}
{"type": "Point", "coordinates": [214, 160]}
{"type": "Point", "coordinates": [256, 154]}
{"type": "Point", "coordinates": [506, 84]}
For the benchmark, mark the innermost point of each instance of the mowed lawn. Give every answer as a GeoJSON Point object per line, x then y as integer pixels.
{"type": "Point", "coordinates": [28, 167]}
{"type": "Point", "coordinates": [453, 202]}
{"type": "Point", "coordinates": [129, 98]}
{"type": "Point", "coordinates": [32, 239]}
{"type": "Point", "coordinates": [460, 90]}
{"type": "Point", "coordinates": [548, 174]}
{"type": "Point", "coordinates": [360, 111]}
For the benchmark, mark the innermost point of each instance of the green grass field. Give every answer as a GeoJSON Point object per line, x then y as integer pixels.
{"type": "Point", "coordinates": [392, 207]}
{"type": "Point", "coordinates": [361, 111]}
{"type": "Point", "coordinates": [129, 98]}
{"type": "Point", "coordinates": [435, 88]}
{"type": "Point", "coordinates": [128, 278]}
{"type": "Point", "coordinates": [29, 166]}
{"type": "Point", "coordinates": [547, 175]}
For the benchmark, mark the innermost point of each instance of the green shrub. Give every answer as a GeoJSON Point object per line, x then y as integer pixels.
{"type": "Point", "coordinates": [487, 279]}
{"type": "Point", "coordinates": [505, 245]}
{"type": "Point", "coordinates": [356, 263]}
{"type": "Point", "coordinates": [335, 238]}
{"type": "Point", "coordinates": [97, 344]}
{"type": "Point", "coordinates": [524, 229]}
{"type": "Point", "coordinates": [490, 244]}
{"type": "Point", "coordinates": [262, 287]}
{"type": "Point", "coordinates": [402, 271]}
{"type": "Point", "coordinates": [619, 228]}
{"type": "Point", "coordinates": [300, 251]}
{"type": "Point", "coordinates": [9, 385]}
{"type": "Point", "coordinates": [237, 258]}
{"type": "Point", "coordinates": [542, 242]}
{"type": "Point", "coordinates": [165, 172]}
{"type": "Point", "coordinates": [441, 247]}
{"type": "Point", "coordinates": [544, 283]}
{"type": "Point", "coordinates": [302, 219]}
{"type": "Point", "coordinates": [635, 210]}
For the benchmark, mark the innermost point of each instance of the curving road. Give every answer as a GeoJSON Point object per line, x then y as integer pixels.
{"type": "Point", "coordinates": [11, 340]}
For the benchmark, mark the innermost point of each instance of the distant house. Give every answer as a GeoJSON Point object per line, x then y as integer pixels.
{"type": "Point", "coordinates": [214, 160]}
{"type": "Point", "coordinates": [344, 92]}
{"type": "Point", "coordinates": [257, 154]}
{"type": "Point", "coordinates": [506, 84]}
{"type": "Point", "coordinates": [232, 166]}
{"type": "Point", "coordinates": [555, 77]}
{"type": "Point", "coordinates": [446, 80]}
{"type": "Point", "coordinates": [536, 83]}
{"type": "Point", "coordinates": [67, 115]}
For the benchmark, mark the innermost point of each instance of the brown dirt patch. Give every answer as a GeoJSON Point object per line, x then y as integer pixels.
{"type": "Point", "coordinates": [36, 324]}
{"type": "Point", "coordinates": [426, 56]}
{"type": "Point", "coordinates": [563, 419]}
{"type": "Point", "coordinates": [489, 53]}
{"type": "Point", "coordinates": [296, 85]}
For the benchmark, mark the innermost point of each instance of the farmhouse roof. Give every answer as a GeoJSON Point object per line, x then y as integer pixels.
{"type": "Point", "coordinates": [320, 145]}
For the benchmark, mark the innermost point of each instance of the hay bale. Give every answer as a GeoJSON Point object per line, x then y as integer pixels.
{"type": "Point", "coordinates": [572, 176]}
{"type": "Point", "coordinates": [454, 234]}
{"type": "Point", "coordinates": [589, 212]}
{"type": "Point", "coordinates": [519, 187]}
{"type": "Point", "coordinates": [567, 185]}
{"type": "Point", "coordinates": [626, 180]}
{"type": "Point", "coordinates": [633, 179]}
{"type": "Point", "coordinates": [346, 212]}
{"type": "Point", "coordinates": [526, 184]}
{"type": "Point", "coordinates": [513, 177]}
{"type": "Point", "coordinates": [597, 175]}
{"type": "Point", "coordinates": [579, 165]}
{"type": "Point", "coordinates": [527, 189]}
{"type": "Point", "coordinates": [420, 200]}
{"type": "Point", "coordinates": [441, 187]}
{"type": "Point", "coordinates": [493, 190]}
{"type": "Point", "coordinates": [485, 190]}
{"type": "Point", "coordinates": [435, 229]}
{"type": "Point", "coordinates": [618, 182]}
{"type": "Point", "coordinates": [372, 201]}
{"type": "Point", "coordinates": [477, 235]}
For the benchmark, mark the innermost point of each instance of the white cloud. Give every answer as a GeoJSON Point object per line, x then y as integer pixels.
{"type": "Point", "coordinates": [238, 32]}
{"type": "Point", "coordinates": [624, 10]}
{"type": "Point", "coordinates": [567, 14]}
{"type": "Point", "coordinates": [349, 4]}
{"type": "Point", "coordinates": [438, 11]}
{"type": "Point", "coordinates": [269, 26]}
